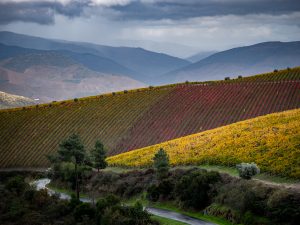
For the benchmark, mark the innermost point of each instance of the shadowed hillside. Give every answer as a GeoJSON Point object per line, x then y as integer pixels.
{"type": "Point", "coordinates": [129, 120]}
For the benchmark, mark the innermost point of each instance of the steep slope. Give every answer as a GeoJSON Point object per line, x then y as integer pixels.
{"type": "Point", "coordinates": [12, 101]}
{"type": "Point", "coordinates": [271, 141]}
{"type": "Point", "coordinates": [247, 60]}
{"type": "Point", "coordinates": [145, 64]}
{"type": "Point", "coordinates": [129, 120]}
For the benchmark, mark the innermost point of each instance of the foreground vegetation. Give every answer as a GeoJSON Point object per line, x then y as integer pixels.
{"type": "Point", "coordinates": [271, 141]}
{"type": "Point", "coordinates": [133, 119]}
{"type": "Point", "coordinates": [22, 204]}
{"type": "Point", "coordinates": [198, 193]}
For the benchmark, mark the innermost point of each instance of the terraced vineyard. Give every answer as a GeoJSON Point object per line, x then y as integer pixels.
{"type": "Point", "coordinates": [272, 141]}
{"type": "Point", "coordinates": [134, 119]}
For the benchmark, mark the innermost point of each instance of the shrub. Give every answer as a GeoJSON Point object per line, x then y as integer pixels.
{"type": "Point", "coordinates": [227, 78]}
{"type": "Point", "coordinates": [275, 71]}
{"type": "Point", "coordinates": [240, 77]}
{"type": "Point", "coordinates": [193, 189]}
{"type": "Point", "coordinates": [113, 93]}
{"type": "Point", "coordinates": [16, 184]}
{"type": "Point", "coordinates": [83, 209]}
{"type": "Point", "coordinates": [247, 170]}
{"type": "Point", "coordinates": [75, 99]}
{"type": "Point", "coordinates": [284, 206]}
{"type": "Point", "coordinates": [125, 91]}
{"type": "Point", "coordinates": [153, 193]}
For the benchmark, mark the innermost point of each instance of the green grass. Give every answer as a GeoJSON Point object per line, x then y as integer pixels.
{"type": "Point", "coordinates": [165, 221]}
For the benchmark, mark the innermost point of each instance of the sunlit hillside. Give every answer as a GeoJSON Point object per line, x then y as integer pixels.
{"type": "Point", "coordinates": [271, 141]}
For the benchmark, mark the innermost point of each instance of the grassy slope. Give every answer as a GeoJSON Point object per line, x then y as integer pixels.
{"type": "Point", "coordinates": [141, 118]}
{"type": "Point", "coordinates": [272, 141]}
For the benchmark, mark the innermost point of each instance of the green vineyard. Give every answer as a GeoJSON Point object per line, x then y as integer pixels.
{"type": "Point", "coordinates": [133, 119]}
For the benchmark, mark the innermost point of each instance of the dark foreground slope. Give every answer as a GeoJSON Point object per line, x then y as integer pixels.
{"type": "Point", "coordinates": [138, 118]}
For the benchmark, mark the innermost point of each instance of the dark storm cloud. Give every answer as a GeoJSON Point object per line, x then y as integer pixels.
{"type": "Point", "coordinates": [174, 9]}
{"type": "Point", "coordinates": [43, 12]}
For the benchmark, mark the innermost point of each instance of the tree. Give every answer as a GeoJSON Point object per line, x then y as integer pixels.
{"type": "Point", "coordinates": [72, 150]}
{"type": "Point", "coordinates": [247, 170]}
{"type": "Point", "coordinates": [161, 163]}
{"type": "Point", "coordinates": [99, 156]}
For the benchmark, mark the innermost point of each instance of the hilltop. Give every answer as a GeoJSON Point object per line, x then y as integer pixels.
{"type": "Point", "coordinates": [11, 101]}
{"type": "Point", "coordinates": [134, 119]}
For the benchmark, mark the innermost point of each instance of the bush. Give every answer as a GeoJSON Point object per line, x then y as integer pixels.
{"type": "Point", "coordinates": [275, 71]}
{"type": "Point", "coordinates": [247, 170]}
{"type": "Point", "coordinates": [82, 210]}
{"type": "Point", "coordinates": [193, 189]}
{"type": "Point", "coordinates": [284, 206]}
{"type": "Point", "coordinates": [224, 212]}
{"type": "Point", "coordinates": [153, 193]}
{"type": "Point", "coordinates": [16, 184]}
{"type": "Point", "coordinates": [125, 91]}
{"type": "Point", "coordinates": [75, 99]}
{"type": "Point", "coordinates": [227, 78]}
{"type": "Point", "coordinates": [240, 77]}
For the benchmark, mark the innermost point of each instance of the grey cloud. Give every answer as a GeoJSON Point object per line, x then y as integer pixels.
{"type": "Point", "coordinates": [42, 12]}
{"type": "Point", "coordinates": [174, 9]}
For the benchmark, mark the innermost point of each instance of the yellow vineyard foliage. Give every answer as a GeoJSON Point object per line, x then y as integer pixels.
{"type": "Point", "coordinates": [271, 141]}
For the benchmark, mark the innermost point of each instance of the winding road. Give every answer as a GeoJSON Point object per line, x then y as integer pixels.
{"type": "Point", "coordinates": [42, 184]}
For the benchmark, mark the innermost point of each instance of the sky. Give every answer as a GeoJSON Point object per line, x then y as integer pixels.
{"type": "Point", "coordinates": [177, 27]}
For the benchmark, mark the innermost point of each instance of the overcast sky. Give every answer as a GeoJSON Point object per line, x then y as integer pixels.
{"type": "Point", "coordinates": [178, 27]}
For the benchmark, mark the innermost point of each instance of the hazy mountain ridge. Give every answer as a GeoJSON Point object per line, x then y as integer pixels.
{"type": "Point", "coordinates": [53, 75]}
{"type": "Point", "coordinates": [143, 64]}
{"type": "Point", "coordinates": [249, 60]}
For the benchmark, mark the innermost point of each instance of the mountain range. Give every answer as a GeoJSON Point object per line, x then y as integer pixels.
{"type": "Point", "coordinates": [249, 60]}
{"type": "Point", "coordinates": [50, 70]}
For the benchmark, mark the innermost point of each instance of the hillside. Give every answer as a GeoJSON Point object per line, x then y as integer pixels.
{"type": "Point", "coordinates": [142, 64]}
{"type": "Point", "coordinates": [271, 141]}
{"type": "Point", "coordinates": [245, 61]}
{"type": "Point", "coordinates": [13, 101]}
{"type": "Point", "coordinates": [130, 120]}
{"type": "Point", "coordinates": [59, 75]}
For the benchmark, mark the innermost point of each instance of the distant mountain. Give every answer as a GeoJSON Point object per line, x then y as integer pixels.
{"type": "Point", "coordinates": [247, 60]}
{"type": "Point", "coordinates": [199, 56]}
{"type": "Point", "coordinates": [12, 101]}
{"type": "Point", "coordinates": [138, 63]}
{"type": "Point", "coordinates": [57, 75]}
